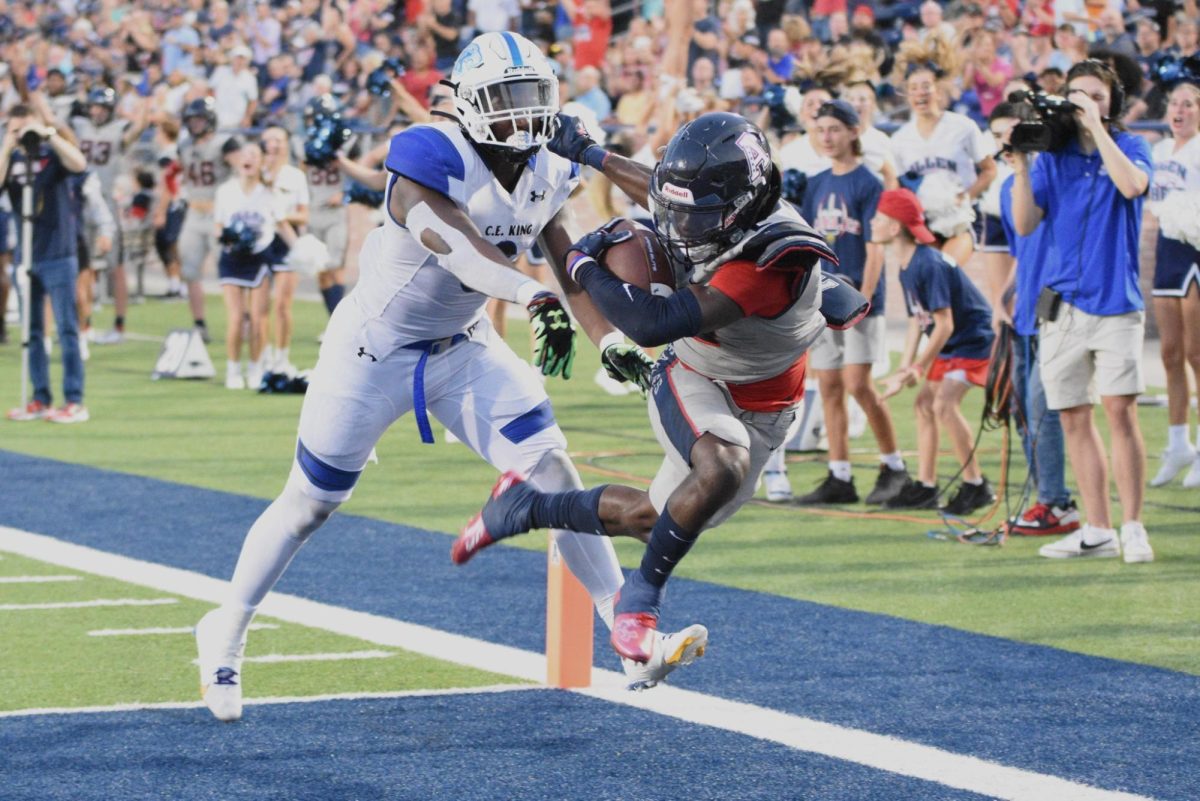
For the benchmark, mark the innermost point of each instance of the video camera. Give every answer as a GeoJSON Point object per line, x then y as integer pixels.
{"type": "Point", "coordinates": [1052, 127]}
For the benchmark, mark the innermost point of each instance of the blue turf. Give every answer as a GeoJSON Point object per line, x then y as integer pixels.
{"type": "Point", "coordinates": [1028, 706]}
{"type": "Point", "coordinates": [553, 745]}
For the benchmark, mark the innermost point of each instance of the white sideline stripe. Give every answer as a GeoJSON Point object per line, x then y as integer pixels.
{"type": "Point", "coordinates": [163, 630]}
{"type": "Point", "coordinates": [267, 659]}
{"type": "Point", "coordinates": [283, 699]}
{"type": "Point", "coordinates": [852, 745]}
{"type": "Point", "coordinates": [36, 579]}
{"type": "Point", "coordinates": [86, 604]}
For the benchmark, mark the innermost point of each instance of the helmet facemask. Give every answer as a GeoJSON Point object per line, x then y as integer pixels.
{"type": "Point", "coordinates": [510, 116]}
{"type": "Point", "coordinates": [697, 232]}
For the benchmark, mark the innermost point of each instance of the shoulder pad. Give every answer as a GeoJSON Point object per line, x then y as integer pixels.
{"type": "Point", "coordinates": [426, 155]}
{"type": "Point", "coordinates": [787, 245]}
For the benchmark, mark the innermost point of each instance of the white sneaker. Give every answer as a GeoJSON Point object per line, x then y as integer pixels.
{"type": "Point", "coordinates": [254, 376]}
{"type": "Point", "coordinates": [670, 651]}
{"type": "Point", "coordinates": [1076, 544]}
{"type": "Point", "coordinates": [610, 385]}
{"type": "Point", "coordinates": [779, 489]}
{"type": "Point", "coordinates": [220, 664]}
{"type": "Point", "coordinates": [234, 379]}
{"type": "Point", "coordinates": [113, 337]}
{"type": "Point", "coordinates": [1174, 462]}
{"type": "Point", "coordinates": [1135, 543]}
{"type": "Point", "coordinates": [1192, 479]}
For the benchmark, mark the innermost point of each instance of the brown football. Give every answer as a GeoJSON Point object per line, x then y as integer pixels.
{"type": "Point", "coordinates": [641, 260]}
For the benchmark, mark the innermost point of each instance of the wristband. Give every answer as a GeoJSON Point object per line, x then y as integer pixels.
{"type": "Point", "coordinates": [594, 157]}
{"type": "Point", "coordinates": [577, 263]}
{"type": "Point", "coordinates": [610, 339]}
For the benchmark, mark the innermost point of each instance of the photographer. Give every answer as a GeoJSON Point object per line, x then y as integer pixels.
{"type": "Point", "coordinates": [1089, 192]}
{"type": "Point", "coordinates": [36, 152]}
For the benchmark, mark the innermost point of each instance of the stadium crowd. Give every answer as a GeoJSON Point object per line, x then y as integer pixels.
{"type": "Point", "coordinates": [162, 99]}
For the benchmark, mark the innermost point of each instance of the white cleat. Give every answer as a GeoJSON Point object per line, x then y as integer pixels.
{"type": "Point", "coordinates": [220, 667]}
{"type": "Point", "coordinates": [779, 489]}
{"type": "Point", "coordinates": [670, 651]}
{"type": "Point", "coordinates": [1174, 462]}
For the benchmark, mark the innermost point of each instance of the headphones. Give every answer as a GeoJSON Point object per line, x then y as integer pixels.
{"type": "Point", "coordinates": [1101, 69]}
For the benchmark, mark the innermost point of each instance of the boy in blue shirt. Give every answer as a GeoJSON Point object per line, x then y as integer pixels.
{"type": "Point", "coordinates": [943, 304]}
{"type": "Point", "coordinates": [1089, 194]}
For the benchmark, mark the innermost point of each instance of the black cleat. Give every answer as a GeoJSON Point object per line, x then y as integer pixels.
{"type": "Point", "coordinates": [969, 498]}
{"type": "Point", "coordinates": [888, 485]}
{"type": "Point", "coordinates": [913, 495]}
{"type": "Point", "coordinates": [831, 490]}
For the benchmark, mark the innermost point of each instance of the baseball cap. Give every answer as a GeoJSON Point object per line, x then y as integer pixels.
{"type": "Point", "coordinates": [840, 110]}
{"type": "Point", "coordinates": [902, 205]}
{"type": "Point", "coordinates": [241, 51]}
{"type": "Point", "coordinates": [751, 39]}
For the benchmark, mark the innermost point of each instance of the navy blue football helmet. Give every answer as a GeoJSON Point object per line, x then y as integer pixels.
{"type": "Point", "coordinates": [715, 181]}
{"type": "Point", "coordinates": [204, 108]}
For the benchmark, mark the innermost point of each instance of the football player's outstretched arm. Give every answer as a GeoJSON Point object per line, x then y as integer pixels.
{"type": "Point", "coordinates": [572, 142]}
{"type": "Point", "coordinates": [445, 230]}
{"type": "Point", "coordinates": [555, 241]}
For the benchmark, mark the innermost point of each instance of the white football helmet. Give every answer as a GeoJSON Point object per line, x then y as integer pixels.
{"type": "Point", "coordinates": [503, 80]}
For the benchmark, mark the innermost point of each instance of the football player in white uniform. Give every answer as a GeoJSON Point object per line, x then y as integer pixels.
{"type": "Point", "coordinates": [463, 199]}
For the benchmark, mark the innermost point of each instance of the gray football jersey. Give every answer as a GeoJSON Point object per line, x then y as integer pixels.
{"type": "Point", "coordinates": [204, 167]}
{"type": "Point", "coordinates": [324, 184]}
{"type": "Point", "coordinates": [103, 147]}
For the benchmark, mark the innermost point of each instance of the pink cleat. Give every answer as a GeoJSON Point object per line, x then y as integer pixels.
{"type": "Point", "coordinates": [633, 635]}
{"type": "Point", "coordinates": [475, 535]}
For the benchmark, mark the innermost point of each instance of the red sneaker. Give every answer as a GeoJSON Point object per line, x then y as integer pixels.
{"type": "Point", "coordinates": [633, 635]}
{"type": "Point", "coordinates": [1042, 520]}
{"type": "Point", "coordinates": [71, 413]}
{"type": "Point", "coordinates": [34, 410]}
{"type": "Point", "coordinates": [474, 536]}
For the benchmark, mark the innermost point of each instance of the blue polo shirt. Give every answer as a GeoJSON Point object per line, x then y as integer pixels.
{"type": "Point", "coordinates": [1096, 229]}
{"type": "Point", "coordinates": [1033, 254]}
{"type": "Point", "coordinates": [55, 206]}
{"type": "Point", "coordinates": [840, 208]}
{"type": "Point", "coordinates": [932, 282]}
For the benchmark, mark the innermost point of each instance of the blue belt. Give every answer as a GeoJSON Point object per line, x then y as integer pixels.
{"type": "Point", "coordinates": [428, 347]}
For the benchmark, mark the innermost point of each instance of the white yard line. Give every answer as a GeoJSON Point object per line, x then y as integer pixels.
{"type": "Point", "coordinates": [267, 659]}
{"type": "Point", "coordinates": [300, 699]}
{"type": "Point", "coordinates": [852, 745]}
{"type": "Point", "coordinates": [163, 630]}
{"type": "Point", "coordinates": [86, 604]}
{"type": "Point", "coordinates": [37, 579]}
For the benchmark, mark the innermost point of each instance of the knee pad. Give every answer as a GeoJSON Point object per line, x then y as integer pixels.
{"type": "Point", "coordinates": [300, 514]}
{"type": "Point", "coordinates": [554, 472]}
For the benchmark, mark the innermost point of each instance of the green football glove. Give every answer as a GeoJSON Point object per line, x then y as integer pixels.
{"type": "Point", "coordinates": [553, 335]}
{"type": "Point", "coordinates": [629, 363]}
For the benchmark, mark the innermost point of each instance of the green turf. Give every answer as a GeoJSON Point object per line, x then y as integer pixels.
{"type": "Point", "coordinates": [202, 434]}
{"type": "Point", "coordinates": [73, 669]}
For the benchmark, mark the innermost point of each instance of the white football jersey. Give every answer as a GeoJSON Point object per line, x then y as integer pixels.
{"type": "Point", "coordinates": [955, 147]}
{"type": "Point", "coordinates": [403, 294]}
{"type": "Point", "coordinates": [1174, 170]}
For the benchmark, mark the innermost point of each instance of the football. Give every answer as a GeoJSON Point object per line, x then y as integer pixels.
{"type": "Point", "coordinates": [641, 260]}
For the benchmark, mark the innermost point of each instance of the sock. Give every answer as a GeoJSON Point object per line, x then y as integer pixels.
{"type": "Point", "coordinates": [119, 323]}
{"type": "Point", "coordinates": [775, 462]}
{"type": "Point", "coordinates": [893, 460]}
{"type": "Point", "coordinates": [927, 486]}
{"type": "Point", "coordinates": [233, 368]}
{"type": "Point", "coordinates": [333, 296]}
{"type": "Point", "coordinates": [976, 483]}
{"type": "Point", "coordinates": [281, 355]}
{"type": "Point", "coordinates": [574, 510]}
{"type": "Point", "coordinates": [1177, 438]}
{"type": "Point", "coordinates": [669, 543]}
{"type": "Point", "coordinates": [199, 323]}
{"type": "Point", "coordinates": [840, 470]}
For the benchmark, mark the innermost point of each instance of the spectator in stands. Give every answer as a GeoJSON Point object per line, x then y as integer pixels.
{"type": "Point", "coordinates": [706, 34]}
{"type": "Point", "coordinates": [490, 16]}
{"type": "Point", "coordinates": [780, 60]}
{"type": "Point", "coordinates": [1090, 193]}
{"type": "Point", "coordinates": [35, 151]}
{"type": "Point", "coordinates": [235, 89]}
{"type": "Point", "coordinates": [421, 75]}
{"type": "Point", "coordinates": [589, 93]}
{"type": "Point", "coordinates": [443, 23]}
{"type": "Point", "coordinates": [591, 26]}
{"type": "Point", "coordinates": [985, 71]}
{"type": "Point", "coordinates": [1112, 35]}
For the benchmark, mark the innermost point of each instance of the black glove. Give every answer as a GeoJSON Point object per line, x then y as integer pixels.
{"type": "Point", "coordinates": [595, 243]}
{"type": "Point", "coordinates": [553, 335]}
{"type": "Point", "coordinates": [572, 142]}
{"type": "Point", "coordinates": [630, 363]}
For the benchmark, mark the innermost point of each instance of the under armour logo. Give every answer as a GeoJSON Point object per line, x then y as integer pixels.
{"type": "Point", "coordinates": [534, 197]}
{"type": "Point", "coordinates": [363, 352]}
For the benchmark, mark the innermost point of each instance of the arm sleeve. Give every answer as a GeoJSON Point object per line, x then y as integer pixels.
{"type": "Point", "coordinates": [765, 293]}
{"type": "Point", "coordinates": [426, 156]}
{"type": "Point", "coordinates": [649, 320]}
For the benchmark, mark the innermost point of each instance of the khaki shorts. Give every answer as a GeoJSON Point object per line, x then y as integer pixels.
{"type": "Point", "coordinates": [1083, 356]}
{"type": "Point", "coordinates": [684, 406]}
{"type": "Point", "coordinates": [862, 344]}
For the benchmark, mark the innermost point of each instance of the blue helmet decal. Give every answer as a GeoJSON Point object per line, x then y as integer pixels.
{"type": "Point", "coordinates": [469, 59]}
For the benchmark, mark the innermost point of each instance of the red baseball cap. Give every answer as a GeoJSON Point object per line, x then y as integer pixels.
{"type": "Point", "coordinates": [902, 205]}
